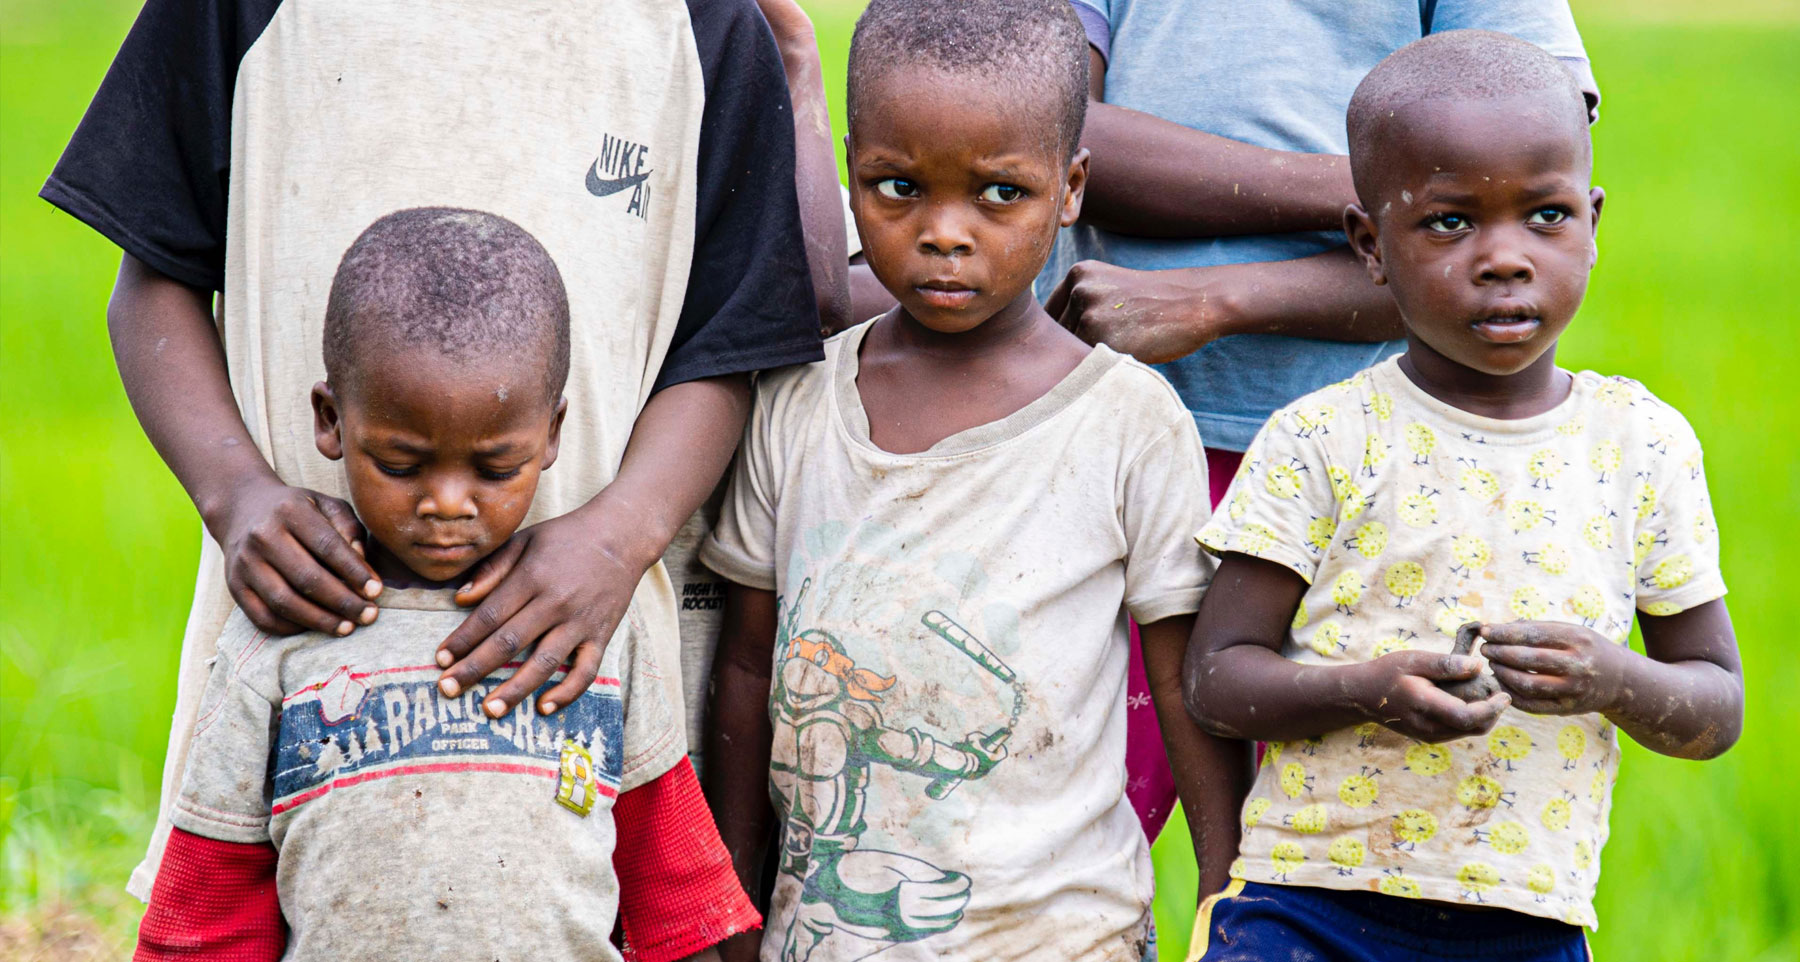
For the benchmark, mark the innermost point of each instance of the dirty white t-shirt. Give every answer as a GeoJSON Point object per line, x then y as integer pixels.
{"type": "Point", "coordinates": [1408, 517]}
{"type": "Point", "coordinates": [949, 676]}
{"type": "Point", "coordinates": [410, 825]}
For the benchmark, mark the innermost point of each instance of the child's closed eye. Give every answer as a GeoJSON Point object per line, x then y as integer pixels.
{"type": "Point", "coordinates": [397, 471]}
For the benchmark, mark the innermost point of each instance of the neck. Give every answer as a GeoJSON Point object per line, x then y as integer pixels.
{"type": "Point", "coordinates": [395, 574]}
{"type": "Point", "coordinates": [1010, 327]}
{"type": "Point", "coordinates": [1531, 391]}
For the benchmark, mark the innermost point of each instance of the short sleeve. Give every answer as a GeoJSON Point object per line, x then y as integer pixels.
{"type": "Point", "coordinates": [1165, 499]}
{"type": "Point", "coordinates": [654, 742]}
{"type": "Point", "coordinates": [1549, 24]}
{"type": "Point", "coordinates": [1096, 21]}
{"type": "Point", "coordinates": [749, 303]}
{"type": "Point", "coordinates": [1676, 547]}
{"type": "Point", "coordinates": [148, 166]}
{"type": "Point", "coordinates": [1281, 501]}
{"type": "Point", "coordinates": [226, 792]}
{"type": "Point", "coordinates": [741, 547]}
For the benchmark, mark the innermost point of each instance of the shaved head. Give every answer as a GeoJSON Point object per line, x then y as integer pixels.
{"type": "Point", "coordinates": [1457, 65]}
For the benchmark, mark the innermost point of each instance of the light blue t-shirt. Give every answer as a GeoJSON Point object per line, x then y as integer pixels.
{"type": "Point", "coordinates": [1277, 74]}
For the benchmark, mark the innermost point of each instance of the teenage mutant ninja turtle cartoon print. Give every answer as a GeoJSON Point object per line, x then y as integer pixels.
{"type": "Point", "coordinates": [830, 736]}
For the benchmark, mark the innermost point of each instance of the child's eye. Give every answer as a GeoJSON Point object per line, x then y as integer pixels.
{"type": "Point", "coordinates": [1001, 193]}
{"type": "Point", "coordinates": [397, 472]}
{"type": "Point", "coordinates": [1446, 223]}
{"type": "Point", "coordinates": [1549, 216]}
{"type": "Point", "coordinates": [496, 475]}
{"type": "Point", "coordinates": [894, 188]}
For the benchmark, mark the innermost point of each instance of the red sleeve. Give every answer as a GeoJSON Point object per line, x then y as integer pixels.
{"type": "Point", "coordinates": [678, 893]}
{"type": "Point", "coordinates": [213, 901]}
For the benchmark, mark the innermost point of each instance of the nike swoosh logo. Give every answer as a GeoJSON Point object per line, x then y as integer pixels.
{"type": "Point", "coordinates": [601, 188]}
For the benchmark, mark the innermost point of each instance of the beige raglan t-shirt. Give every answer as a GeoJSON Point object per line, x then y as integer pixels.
{"type": "Point", "coordinates": [1408, 517]}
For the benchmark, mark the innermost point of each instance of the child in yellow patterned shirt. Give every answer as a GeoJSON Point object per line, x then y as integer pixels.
{"type": "Point", "coordinates": [1469, 481]}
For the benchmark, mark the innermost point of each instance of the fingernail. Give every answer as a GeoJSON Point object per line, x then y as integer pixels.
{"type": "Point", "coordinates": [546, 707]}
{"type": "Point", "coordinates": [449, 687]}
{"type": "Point", "coordinates": [444, 659]}
{"type": "Point", "coordinates": [465, 589]}
{"type": "Point", "coordinates": [356, 546]}
{"type": "Point", "coordinates": [372, 588]}
{"type": "Point", "coordinates": [368, 615]}
{"type": "Point", "coordinates": [344, 628]}
{"type": "Point", "coordinates": [496, 707]}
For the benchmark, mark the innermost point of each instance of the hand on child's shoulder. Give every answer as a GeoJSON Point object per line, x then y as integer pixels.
{"type": "Point", "coordinates": [1399, 690]}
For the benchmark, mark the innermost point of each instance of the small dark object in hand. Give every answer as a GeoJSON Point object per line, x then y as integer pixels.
{"type": "Point", "coordinates": [1481, 686]}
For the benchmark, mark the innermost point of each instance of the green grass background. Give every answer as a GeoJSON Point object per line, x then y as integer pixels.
{"type": "Point", "coordinates": [1697, 150]}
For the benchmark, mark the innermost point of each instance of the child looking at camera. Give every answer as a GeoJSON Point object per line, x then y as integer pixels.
{"type": "Point", "coordinates": [1469, 480]}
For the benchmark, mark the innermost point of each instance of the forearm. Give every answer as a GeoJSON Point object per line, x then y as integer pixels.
{"type": "Point", "coordinates": [1154, 178]}
{"type": "Point", "coordinates": [1249, 691]}
{"type": "Point", "coordinates": [815, 169]}
{"type": "Point", "coordinates": [1326, 296]}
{"type": "Point", "coordinates": [739, 734]}
{"type": "Point", "coordinates": [1688, 709]}
{"type": "Point", "coordinates": [679, 448]}
{"type": "Point", "coordinates": [1212, 774]}
{"type": "Point", "coordinates": [173, 367]}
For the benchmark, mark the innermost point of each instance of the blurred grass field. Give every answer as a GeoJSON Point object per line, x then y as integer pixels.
{"type": "Point", "coordinates": [1697, 151]}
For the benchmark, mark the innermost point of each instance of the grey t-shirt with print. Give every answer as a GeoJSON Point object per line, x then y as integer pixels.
{"type": "Point", "coordinates": [411, 825]}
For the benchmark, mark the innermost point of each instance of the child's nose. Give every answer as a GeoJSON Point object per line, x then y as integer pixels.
{"type": "Point", "coordinates": [946, 233]}
{"type": "Point", "coordinates": [447, 500]}
{"type": "Point", "coordinates": [1504, 260]}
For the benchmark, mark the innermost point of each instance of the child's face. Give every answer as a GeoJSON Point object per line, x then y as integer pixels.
{"type": "Point", "coordinates": [1483, 227]}
{"type": "Point", "coordinates": [442, 457]}
{"type": "Point", "coordinates": [957, 193]}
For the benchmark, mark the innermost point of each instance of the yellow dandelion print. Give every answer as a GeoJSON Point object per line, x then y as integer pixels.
{"type": "Point", "coordinates": [1319, 532]}
{"type": "Point", "coordinates": [1414, 827]}
{"type": "Point", "coordinates": [1597, 531]}
{"type": "Point", "coordinates": [1479, 483]}
{"type": "Point", "coordinates": [1360, 791]}
{"type": "Point", "coordinates": [1346, 852]}
{"type": "Point", "coordinates": [1556, 814]}
{"type": "Point", "coordinates": [1646, 542]}
{"type": "Point", "coordinates": [1529, 604]}
{"type": "Point", "coordinates": [1509, 743]}
{"type": "Point", "coordinates": [1544, 465]}
{"type": "Point", "coordinates": [1540, 879]}
{"type": "Point", "coordinates": [1605, 457]}
{"type": "Point", "coordinates": [1404, 580]}
{"type": "Point", "coordinates": [1572, 426]}
{"type": "Point", "coordinates": [1389, 645]}
{"type": "Point", "coordinates": [1662, 609]}
{"type": "Point", "coordinates": [1254, 810]}
{"type": "Point", "coordinates": [1366, 732]}
{"type": "Point", "coordinates": [1286, 857]}
{"type": "Point", "coordinates": [1299, 621]}
{"type": "Point", "coordinates": [1347, 590]}
{"type": "Point", "coordinates": [1571, 744]}
{"type": "Point", "coordinates": [1451, 617]}
{"type": "Point", "coordinates": [1526, 515]}
{"type": "Point", "coordinates": [1238, 868]}
{"type": "Point", "coordinates": [1420, 441]}
{"type": "Point", "coordinates": [1428, 759]}
{"type": "Point", "coordinates": [1246, 467]}
{"type": "Point", "coordinates": [1308, 821]}
{"type": "Point", "coordinates": [1375, 451]}
{"type": "Point", "coordinates": [1419, 509]}
{"type": "Point", "coordinates": [1471, 554]}
{"type": "Point", "coordinates": [1614, 393]}
{"type": "Point", "coordinates": [1672, 572]}
{"type": "Point", "coordinates": [1294, 780]}
{"type": "Point", "coordinates": [1240, 503]}
{"type": "Point", "coordinates": [1478, 792]}
{"type": "Point", "coordinates": [1597, 788]}
{"type": "Point", "coordinates": [1588, 604]}
{"type": "Point", "coordinates": [1643, 498]}
{"type": "Point", "coordinates": [1369, 540]}
{"type": "Point", "coordinates": [1283, 481]}
{"type": "Point", "coordinates": [1553, 558]}
{"type": "Point", "coordinates": [1508, 838]}
{"type": "Point", "coordinates": [1342, 485]}
{"type": "Point", "coordinates": [1314, 420]}
{"type": "Point", "coordinates": [1327, 639]}
{"type": "Point", "coordinates": [1704, 525]}
{"type": "Point", "coordinates": [1584, 855]}
{"type": "Point", "coordinates": [1255, 538]}
{"type": "Point", "coordinates": [1380, 405]}
{"type": "Point", "coordinates": [1478, 877]}
{"type": "Point", "coordinates": [1400, 886]}
{"type": "Point", "coordinates": [1272, 753]}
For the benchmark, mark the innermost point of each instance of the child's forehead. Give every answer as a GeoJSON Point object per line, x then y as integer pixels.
{"type": "Point", "coordinates": [1482, 141]}
{"type": "Point", "coordinates": [924, 110]}
{"type": "Point", "coordinates": [428, 385]}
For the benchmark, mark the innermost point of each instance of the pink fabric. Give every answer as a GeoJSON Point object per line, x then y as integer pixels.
{"type": "Point", "coordinates": [1148, 782]}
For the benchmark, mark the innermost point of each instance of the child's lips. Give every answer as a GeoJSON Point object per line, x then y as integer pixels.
{"type": "Point", "coordinates": [945, 297]}
{"type": "Point", "coordinates": [445, 552]}
{"type": "Point", "coordinates": [1507, 330]}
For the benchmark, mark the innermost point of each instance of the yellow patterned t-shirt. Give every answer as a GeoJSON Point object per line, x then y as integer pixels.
{"type": "Point", "coordinates": [1408, 517]}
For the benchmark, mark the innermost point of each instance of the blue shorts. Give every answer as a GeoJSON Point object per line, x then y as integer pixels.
{"type": "Point", "coordinates": [1250, 922]}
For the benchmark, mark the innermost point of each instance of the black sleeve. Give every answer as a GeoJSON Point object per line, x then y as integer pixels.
{"type": "Point", "coordinates": [149, 163]}
{"type": "Point", "coordinates": [749, 303]}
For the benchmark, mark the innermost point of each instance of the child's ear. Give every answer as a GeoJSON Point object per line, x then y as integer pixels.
{"type": "Point", "coordinates": [328, 422]}
{"type": "Point", "coordinates": [1596, 198]}
{"type": "Point", "coordinates": [1365, 240]}
{"type": "Point", "coordinates": [556, 422]}
{"type": "Point", "coordinates": [1077, 184]}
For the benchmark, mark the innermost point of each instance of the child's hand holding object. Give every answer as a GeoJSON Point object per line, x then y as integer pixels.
{"type": "Point", "coordinates": [1555, 668]}
{"type": "Point", "coordinates": [1400, 690]}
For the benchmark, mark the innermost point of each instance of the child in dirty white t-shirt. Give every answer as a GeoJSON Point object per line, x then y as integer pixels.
{"type": "Point", "coordinates": [336, 804]}
{"type": "Point", "coordinates": [935, 538]}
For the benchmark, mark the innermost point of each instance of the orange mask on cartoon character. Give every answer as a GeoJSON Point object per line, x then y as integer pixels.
{"type": "Point", "coordinates": [827, 652]}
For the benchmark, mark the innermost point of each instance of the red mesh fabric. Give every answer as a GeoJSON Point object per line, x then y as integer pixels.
{"type": "Point", "coordinates": [677, 891]}
{"type": "Point", "coordinates": [213, 901]}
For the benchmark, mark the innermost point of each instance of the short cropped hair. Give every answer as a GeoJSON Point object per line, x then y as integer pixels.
{"type": "Point", "coordinates": [1453, 65]}
{"type": "Point", "coordinates": [1035, 46]}
{"type": "Point", "coordinates": [463, 283]}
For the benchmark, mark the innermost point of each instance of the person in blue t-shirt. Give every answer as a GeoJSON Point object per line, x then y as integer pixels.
{"type": "Point", "coordinates": [1212, 240]}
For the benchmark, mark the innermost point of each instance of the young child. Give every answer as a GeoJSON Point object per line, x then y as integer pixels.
{"type": "Point", "coordinates": [331, 784]}
{"type": "Point", "coordinates": [1470, 480]}
{"type": "Point", "coordinates": [935, 536]}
